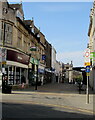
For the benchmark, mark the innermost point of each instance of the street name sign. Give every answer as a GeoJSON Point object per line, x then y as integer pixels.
{"type": "Point", "coordinates": [87, 57]}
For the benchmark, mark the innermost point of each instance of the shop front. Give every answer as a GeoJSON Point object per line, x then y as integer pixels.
{"type": "Point", "coordinates": [41, 72]}
{"type": "Point", "coordinates": [16, 68]}
{"type": "Point", "coordinates": [48, 75]}
{"type": "Point", "coordinates": [33, 71]}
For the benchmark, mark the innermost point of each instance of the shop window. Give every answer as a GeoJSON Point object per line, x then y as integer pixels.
{"type": "Point", "coordinates": [17, 75]}
{"type": "Point", "coordinates": [11, 76]}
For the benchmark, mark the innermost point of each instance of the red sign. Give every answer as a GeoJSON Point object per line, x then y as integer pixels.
{"type": "Point", "coordinates": [17, 57]}
{"type": "Point", "coordinates": [87, 57]}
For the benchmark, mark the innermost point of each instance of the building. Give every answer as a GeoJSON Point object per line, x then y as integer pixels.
{"type": "Point", "coordinates": [48, 72]}
{"type": "Point", "coordinates": [53, 63]}
{"type": "Point", "coordinates": [23, 44]}
{"type": "Point", "coordinates": [13, 33]}
{"type": "Point", "coordinates": [38, 56]}
{"type": "Point", "coordinates": [91, 46]}
{"type": "Point", "coordinates": [58, 71]}
{"type": "Point", "coordinates": [67, 72]}
{"type": "Point", "coordinates": [42, 63]}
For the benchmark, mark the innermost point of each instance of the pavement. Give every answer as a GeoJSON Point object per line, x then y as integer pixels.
{"type": "Point", "coordinates": [67, 95]}
{"type": "Point", "coordinates": [58, 88]}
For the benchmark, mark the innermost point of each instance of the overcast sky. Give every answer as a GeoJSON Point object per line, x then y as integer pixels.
{"type": "Point", "coordinates": [64, 24]}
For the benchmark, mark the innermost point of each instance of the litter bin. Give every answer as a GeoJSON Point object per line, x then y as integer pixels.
{"type": "Point", "coordinates": [5, 87]}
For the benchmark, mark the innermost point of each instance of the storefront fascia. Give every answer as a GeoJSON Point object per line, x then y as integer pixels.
{"type": "Point", "coordinates": [33, 72]}
{"type": "Point", "coordinates": [16, 67]}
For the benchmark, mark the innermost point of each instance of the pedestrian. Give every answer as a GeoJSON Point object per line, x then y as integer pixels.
{"type": "Point", "coordinates": [23, 85]}
{"type": "Point", "coordinates": [23, 82]}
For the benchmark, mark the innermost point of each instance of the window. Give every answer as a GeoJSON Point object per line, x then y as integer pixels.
{"type": "Point", "coordinates": [19, 43]}
{"type": "Point", "coordinates": [1, 32]}
{"type": "Point", "coordinates": [8, 33]}
{"type": "Point", "coordinates": [25, 46]}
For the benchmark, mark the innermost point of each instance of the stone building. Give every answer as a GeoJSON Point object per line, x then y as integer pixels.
{"type": "Point", "coordinates": [38, 41]}
{"type": "Point", "coordinates": [58, 71]}
{"type": "Point", "coordinates": [48, 72]}
{"type": "Point", "coordinates": [67, 72]}
{"type": "Point", "coordinates": [53, 63]}
{"type": "Point", "coordinates": [91, 46]}
{"type": "Point", "coordinates": [17, 38]}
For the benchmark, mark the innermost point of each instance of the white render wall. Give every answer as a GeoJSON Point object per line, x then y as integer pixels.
{"type": "Point", "coordinates": [92, 47]}
{"type": "Point", "coordinates": [53, 61]}
{"type": "Point", "coordinates": [57, 67]}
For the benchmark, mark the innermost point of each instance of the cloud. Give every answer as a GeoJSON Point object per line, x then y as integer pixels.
{"type": "Point", "coordinates": [76, 57]}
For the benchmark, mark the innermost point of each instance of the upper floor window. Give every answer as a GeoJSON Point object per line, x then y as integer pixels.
{"type": "Point", "coordinates": [19, 42]}
{"type": "Point", "coordinates": [6, 33]}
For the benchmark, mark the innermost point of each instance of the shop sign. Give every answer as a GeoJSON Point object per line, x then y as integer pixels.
{"type": "Point", "coordinates": [41, 70]}
{"type": "Point", "coordinates": [33, 48]}
{"type": "Point", "coordinates": [92, 55]}
{"type": "Point", "coordinates": [17, 57]}
{"type": "Point", "coordinates": [34, 61]}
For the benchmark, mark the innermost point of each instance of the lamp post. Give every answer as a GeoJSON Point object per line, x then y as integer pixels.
{"type": "Point", "coordinates": [35, 67]}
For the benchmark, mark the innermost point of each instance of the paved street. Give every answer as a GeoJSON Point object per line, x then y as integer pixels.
{"type": "Point", "coordinates": [49, 101]}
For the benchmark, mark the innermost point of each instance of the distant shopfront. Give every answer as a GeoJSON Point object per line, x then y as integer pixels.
{"type": "Point", "coordinates": [33, 70]}
{"type": "Point", "coordinates": [16, 67]}
{"type": "Point", "coordinates": [41, 72]}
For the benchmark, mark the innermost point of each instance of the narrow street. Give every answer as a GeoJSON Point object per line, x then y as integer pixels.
{"type": "Point", "coordinates": [47, 59]}
{"type": "Point", "coordinates": [50, 101]}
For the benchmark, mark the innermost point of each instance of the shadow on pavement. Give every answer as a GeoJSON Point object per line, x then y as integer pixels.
{"type": "Point", "coordinates": [59, 88]}
{"type": "Point", "coordinates": [30, 111]}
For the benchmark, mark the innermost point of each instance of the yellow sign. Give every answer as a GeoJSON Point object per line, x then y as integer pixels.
{"type": "Point", "coordinates": [4, 62]}
{"type": "Point", "coordinates": [87, 64]}
{"type": "Point", "coordinates": [87, 74]}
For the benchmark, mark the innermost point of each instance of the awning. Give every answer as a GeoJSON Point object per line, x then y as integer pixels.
{"type": "Point", "coordinates": [16, 64]}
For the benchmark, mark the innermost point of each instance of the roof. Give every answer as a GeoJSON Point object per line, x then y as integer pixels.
{"type": "Point", "coordinates": [28, 22]}
{"type": "Point", "coordinates": [26, 27]}
{"type": "Point", "coordinates": [17, 7]}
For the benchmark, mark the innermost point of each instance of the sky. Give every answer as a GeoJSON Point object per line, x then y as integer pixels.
{"type": "Point", "coordinates": [65, 25]}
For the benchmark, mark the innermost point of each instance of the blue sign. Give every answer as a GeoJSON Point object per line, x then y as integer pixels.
{"type": "Point", "coordinates": [41, 70]}
{"type": "Point", "coordinates": [87, 69]}
{"type": "Point", "coordinates": [43, 57]}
